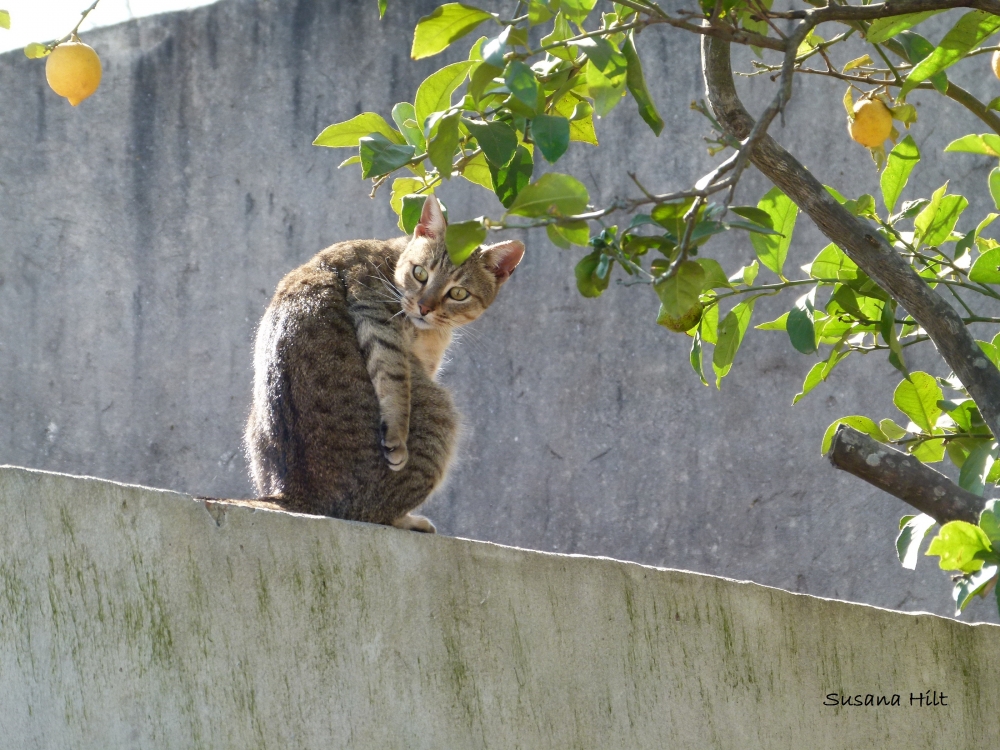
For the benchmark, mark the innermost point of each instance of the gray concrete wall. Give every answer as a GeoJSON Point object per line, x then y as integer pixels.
{"type": "Point", "coordinates": [142, 233]}
{"type": "Point", "coordinates": [145, 619]}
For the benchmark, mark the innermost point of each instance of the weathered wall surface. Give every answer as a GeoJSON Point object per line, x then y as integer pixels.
{"type": "Point", "coordinates": [142, 618]}
{"type": "Point", "coordinates": [142, 233]}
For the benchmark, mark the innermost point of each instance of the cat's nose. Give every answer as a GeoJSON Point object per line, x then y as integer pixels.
{"type": "Point", "coordinates": [424, 309]}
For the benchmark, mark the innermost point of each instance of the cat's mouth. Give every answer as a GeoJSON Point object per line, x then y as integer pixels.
{"type": "Point", "coordinates": [420, 322]}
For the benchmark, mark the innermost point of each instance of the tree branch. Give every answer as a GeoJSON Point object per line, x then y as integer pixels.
{"type": "Point", "coordinates": [859, 240]}
{"type": "Point", "coordinates": [903, 476]}
{"type": "Point", "coordinates": [833, 12]}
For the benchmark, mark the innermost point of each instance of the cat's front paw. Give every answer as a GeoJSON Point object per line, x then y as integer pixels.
{"type": "Point", "coordinates": [394, 449]}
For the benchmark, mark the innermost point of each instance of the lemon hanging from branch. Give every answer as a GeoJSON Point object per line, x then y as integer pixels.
{"type": "Point", "coordinates": [872, 123]}
{"type": "Point", "coordinates": [73, 70]}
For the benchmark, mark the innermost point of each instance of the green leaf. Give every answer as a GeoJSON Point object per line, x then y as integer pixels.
{"type": "Point", "coordinates": [401, 187]}
{"type": "Point", "coordinates": [987, 144]}
{"type": "Point", "coordinates": [4, 19]}
{"type": "Point", "coordinates": [994, 182]}
{"type": "Point", "coordinates": [754, 214]}
{"type": "Point", "coordinates": [521, 81]}
{"type": "Point", "coordinates": [861, 424]}
{"type": "Point", "coordinates": [581, 119]}
{"type": "Point", "coordinates": [772, 250]}
{"type": "Point", "coordinates": [945, 219]}
{"type": "Point", "coordinates": [434, 94]}
{"type": "Point", "coordinates": [557, 239]}
{"type": "Point", "coordinates": [573, 232]}
{"type": "Point", "coordinates": [349, 134]}
{"type": "Point", "coordinates": [606, 73]}
{"type": "Point", "coordinates": [551, 134]}
{"type": "Point", "coordinates": [497, 139]}
{"type": "Point", "coordinates": [976, 467]}
{"type": "Point", "coordinates": [670, 216]}
{"type": "Point", "coordinates": [443, 26]}
{"type": "Point", "coordinates": [730, 336]}
{"type": "Point", "coordinates": [679, 293]}
{"type": "Point", "coordinates": [715, 277]}
{"type": "Point", "coordinates": [636, 82]}
{"type": "Point", "coordinates": [593, 274]}
{"type": "Point", "coordinates": [577, 10]}
{"type": "Point", "coordinates": [510, 180]}
{"type": "Point", "coordinates": [924, 219]}
{"type": "Point", "coordinates": [971, 30]}
{"type": "Point", "coordinates": [463, 238]}
{"type": "Point", "coordinates": [989, 521]}
{"type": "Point", "coordinates": [696, 358]}
{"type": "Point", "coordinates": [441, 149]}
{"type": "Point", "coordinates": [405, 117]}
{"type": "Point", "coordinates": [972, 584]}
{"type": "Point", "coordinates": [413, 205]}
{"type": "Point", "coordinates": [477, 170]}
{"type": "Point", "coordinates": [801, 323]}
{"type": "Point", "coordinates": [35, 50]}
{"type": "Point", "coordinates": [912, 530]}
{"type": "Point", "coordinates": [929, 451]}
{"type": "Point", "coordinates": [892, 430]}
{"type": "Point", "coordinates": [957, 544]}
{"type": "Point", "coordinates": [986, 269]}
{"type": "Point", "coordinates": [918, 399]}
{"type": "Point", "coordinates": [778, 324]}
{"type": "Point", "coordinates": [538, 12]}
{"type": "Point", "coordinates": [819, 372]}
{"type": "Point", "coordinates": [902, 159]}
{"type": "Point", "coordinates": [832, 263]}
{"type": "Point", "coordinates": [552, 193]}
{"type": "Point", "coordinates": [886, 28]}
{"type": "Point", "coordinates": [380, 156]}
{"type": "Point", "coordinates": [382, 4]}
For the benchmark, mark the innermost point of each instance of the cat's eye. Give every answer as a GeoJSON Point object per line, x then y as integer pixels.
{"type": "Point", "coordinates": [458, 293]}
{"type": "Point", "coordinates": [420, 274]}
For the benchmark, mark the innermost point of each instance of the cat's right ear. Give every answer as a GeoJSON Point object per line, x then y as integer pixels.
{"type": "Point", "coordinates": [432, 224]}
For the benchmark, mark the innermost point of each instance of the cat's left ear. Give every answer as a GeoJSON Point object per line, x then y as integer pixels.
{"type": "Point", "coordinates": [432, 223]}
{"type": "Point", "coordinates": [503, 258]}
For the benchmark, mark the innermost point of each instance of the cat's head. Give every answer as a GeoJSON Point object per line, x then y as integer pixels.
{"type": "Point", "coordinates": [438, 294]}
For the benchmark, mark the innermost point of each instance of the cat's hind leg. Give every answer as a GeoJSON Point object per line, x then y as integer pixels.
{"type": "Point", "coordinates": [414, 522]}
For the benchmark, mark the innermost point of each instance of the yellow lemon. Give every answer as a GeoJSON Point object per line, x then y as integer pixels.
{"type": "Point", "coordinates": [996, 63]}
{"type": "Point", "coordinates": [73, 70]}
{"type": "Point", "coordinates": [872, 123]}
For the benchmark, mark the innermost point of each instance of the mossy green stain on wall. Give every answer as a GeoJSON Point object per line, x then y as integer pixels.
{"type": "Point", "coordinates": [276, 631]}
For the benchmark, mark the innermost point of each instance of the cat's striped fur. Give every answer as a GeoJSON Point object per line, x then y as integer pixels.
{"type": "Point", "coordinates": [347, 418]}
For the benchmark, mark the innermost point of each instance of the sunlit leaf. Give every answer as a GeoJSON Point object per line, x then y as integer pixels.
{"type": "Point", "coordinates": [971, 30]}
{"type": "Point", "coordinates": [772, 250]}
{"type": "Point", "coordinates": [636, 82]}
{"type": "Point", "coordinates": [957, 544]}
{"type": "Point", "coordinates": [552, 193]}
{"type": "Point", "coordinates": [912, 531]}
{"type": "Point", "coordinates": [348, 134]}
{"type": "Point", "coordinates": [434, 94]}
{"type": "Point", "coordinates": [886, 28]}
{"type": "Point", "coordinates": [918, 399]}
{"type": "Point", "coordinates": [443, 26]}
{"type": "Point", "coordinates": [859, 423]}
{"type": "Point", "coordinates": [463, 238]}
{"type": "Point", "coordinates": [902, 159]}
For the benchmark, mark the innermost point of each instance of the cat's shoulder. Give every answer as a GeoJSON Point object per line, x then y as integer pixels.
{"type": "Point", "coordinates": [332, 266]}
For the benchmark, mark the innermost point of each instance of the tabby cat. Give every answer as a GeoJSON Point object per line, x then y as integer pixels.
{"type": "Point", "coordinates": [347, 419]}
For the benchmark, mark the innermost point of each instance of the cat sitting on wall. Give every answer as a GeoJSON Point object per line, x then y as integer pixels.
{"type": "Point", "coordinates": [347, 418]}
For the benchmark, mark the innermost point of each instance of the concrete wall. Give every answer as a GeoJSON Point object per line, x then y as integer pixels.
{"type": "Point", "coordinates": [145, 619]}
{"type": "Point", "coordinates": [142, 233]}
